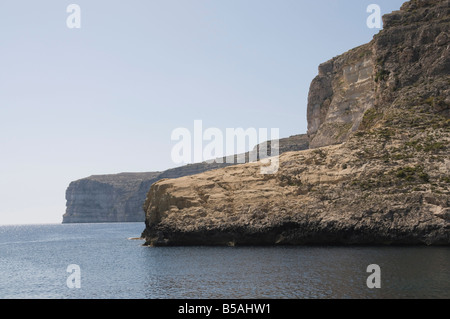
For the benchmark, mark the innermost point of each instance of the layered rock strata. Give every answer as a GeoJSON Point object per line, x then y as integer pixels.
{"type": "Point", "coordinates": [119, 197]}
{"type": "Point", "coordinates": [378, 170]}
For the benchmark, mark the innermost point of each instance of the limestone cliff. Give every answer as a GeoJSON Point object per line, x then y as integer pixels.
{"type": "Point", "coordinates": [108, 198]}
{"type": "Point", "coordinates": [339, 96]}
{"type": "Point", "coordinates": [119, 197]}
{"type": "Point", "coordinates": [378, 168]}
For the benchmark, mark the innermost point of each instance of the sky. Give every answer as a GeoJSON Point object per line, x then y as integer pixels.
{"type": "Point", "coordinates": [104, 98]}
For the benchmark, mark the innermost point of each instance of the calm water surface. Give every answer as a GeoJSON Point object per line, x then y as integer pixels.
{"type": "Point", "coordinates": [34, 259]}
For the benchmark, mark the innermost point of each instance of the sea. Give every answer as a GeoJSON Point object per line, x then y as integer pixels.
{"type": "Point", "coordinates": [102, 261]}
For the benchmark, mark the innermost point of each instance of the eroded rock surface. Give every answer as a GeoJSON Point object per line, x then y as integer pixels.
{"type": "Point", "coordinates": [119, 197]}
{"type": "Point", "coordinates": [378, 170]}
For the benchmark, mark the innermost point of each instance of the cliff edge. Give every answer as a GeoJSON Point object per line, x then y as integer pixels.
{"type": "Point", "coordinates": [119, 197]}
{"type": "Point", "coordinates": [378, 168]}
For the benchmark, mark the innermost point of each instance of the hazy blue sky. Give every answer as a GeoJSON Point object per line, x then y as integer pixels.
{"type": "Point", "coordinates": [105, 98]}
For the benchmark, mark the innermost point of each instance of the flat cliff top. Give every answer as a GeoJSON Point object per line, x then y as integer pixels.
{"type": "Point", "coordinates": [122, 177]}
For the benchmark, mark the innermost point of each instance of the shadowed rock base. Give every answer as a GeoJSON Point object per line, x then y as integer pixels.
{"type": "Point", "coordinates": [295, 234]}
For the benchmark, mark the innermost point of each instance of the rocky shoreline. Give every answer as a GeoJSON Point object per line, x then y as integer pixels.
{"type": "Point", "coordinates": [376, 173]}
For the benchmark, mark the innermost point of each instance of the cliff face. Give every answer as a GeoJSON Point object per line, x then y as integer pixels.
{"type": "Point", "coordinates": [339, 96]}
{"type": "Point", "coordinates": [108, 198]}
{"type": "Point", "coordinates": [387, 182]}
{"type": "Point", "coordinates": [119, 197]}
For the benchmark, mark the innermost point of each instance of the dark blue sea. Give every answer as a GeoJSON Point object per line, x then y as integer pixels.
{"type": "Point", "coordinates": [34, 260]}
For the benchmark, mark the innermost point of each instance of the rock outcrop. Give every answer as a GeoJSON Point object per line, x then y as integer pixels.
{"type": "Point", "coordinates": [378, 168]}
{"type": "Point", "coordinates": [339, 96]}
{"type": "Point", "coordinates": [119, 197]}
{"type": "Point", "coordinates": [108, 198]}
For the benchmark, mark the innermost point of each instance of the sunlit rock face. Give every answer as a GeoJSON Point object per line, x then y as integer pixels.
{"type": "Point", "coordinates": [377, 171]}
